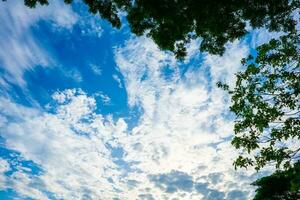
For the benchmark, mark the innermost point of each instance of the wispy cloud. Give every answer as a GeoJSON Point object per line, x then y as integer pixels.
{"type": "Point", "coordinates": [20, 49]}
{"type": "Point", "coordinates": [96, 69]}
{"type": "Point", "coordinates": [118, 80]}
{"type": "Point", "coordinates": [185, 124]}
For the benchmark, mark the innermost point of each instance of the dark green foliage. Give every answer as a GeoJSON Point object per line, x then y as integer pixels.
{"type": "Point", "coordinates": [281, 185]}
{"type": "Point", "coordinates": [173, 23]}
{"type": "Point", "coordinates": [32, 3]}
{"type": "Point", "coordinates": [266, 102]}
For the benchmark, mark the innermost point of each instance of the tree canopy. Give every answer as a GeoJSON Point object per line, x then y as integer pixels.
{"type": "Point", "coordinates": [281, 185]}
{"type": "Point", "coordinates": [173, 23]}
{"type": "Point", "coordinates": [266, 102]}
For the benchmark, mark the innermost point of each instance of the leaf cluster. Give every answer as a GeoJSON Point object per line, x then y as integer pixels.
{"type": "Point", "coordinates": [266, 102]}
{"type": "Point", "coordinates": [281, 185]}
{"type": "Point", "coordinates": [172, 24]}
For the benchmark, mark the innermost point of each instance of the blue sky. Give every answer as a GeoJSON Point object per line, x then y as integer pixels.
{"type": "Point", "coordinates": [91, 112]}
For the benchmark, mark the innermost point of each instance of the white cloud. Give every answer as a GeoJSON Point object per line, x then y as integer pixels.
{"type": "Point", "coordinates": [20, 50]}
{"type": "Point", "coordinates": [261, 36]}
{"type": "Point", "coordinates": [96, 69]}
{"type": "Point", "coordinates": [4, 167]}
{"type": "Point", "coordinates": [224, 68]}
{"type": "Point", "coordinates": [104, 98]}
{"type": "Point", "coordinates": [74, 74]}
{"type": "Point", "coordinates": [70, 147]}
{"type": "Point", "coordinates": [90, 26]}
{"type": "Point", "coordinates": [118, 80]}
{"type": "Point", "coordinates": [181, 137]}
{"type": "Point", "coordinates": [184, 125]}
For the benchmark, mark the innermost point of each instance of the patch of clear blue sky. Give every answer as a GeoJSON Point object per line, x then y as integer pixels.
{"type": "Point", "coordinates": [75, 53]}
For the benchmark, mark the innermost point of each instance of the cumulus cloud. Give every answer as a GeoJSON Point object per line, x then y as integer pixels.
{"type": "Point", "coordinates": [179, 149]}
{"type": "Point", "coordinates": [70, 145]}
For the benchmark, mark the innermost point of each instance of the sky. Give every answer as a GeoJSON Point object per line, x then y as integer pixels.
{"type": "Point", "coordinates": [92, 112]}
